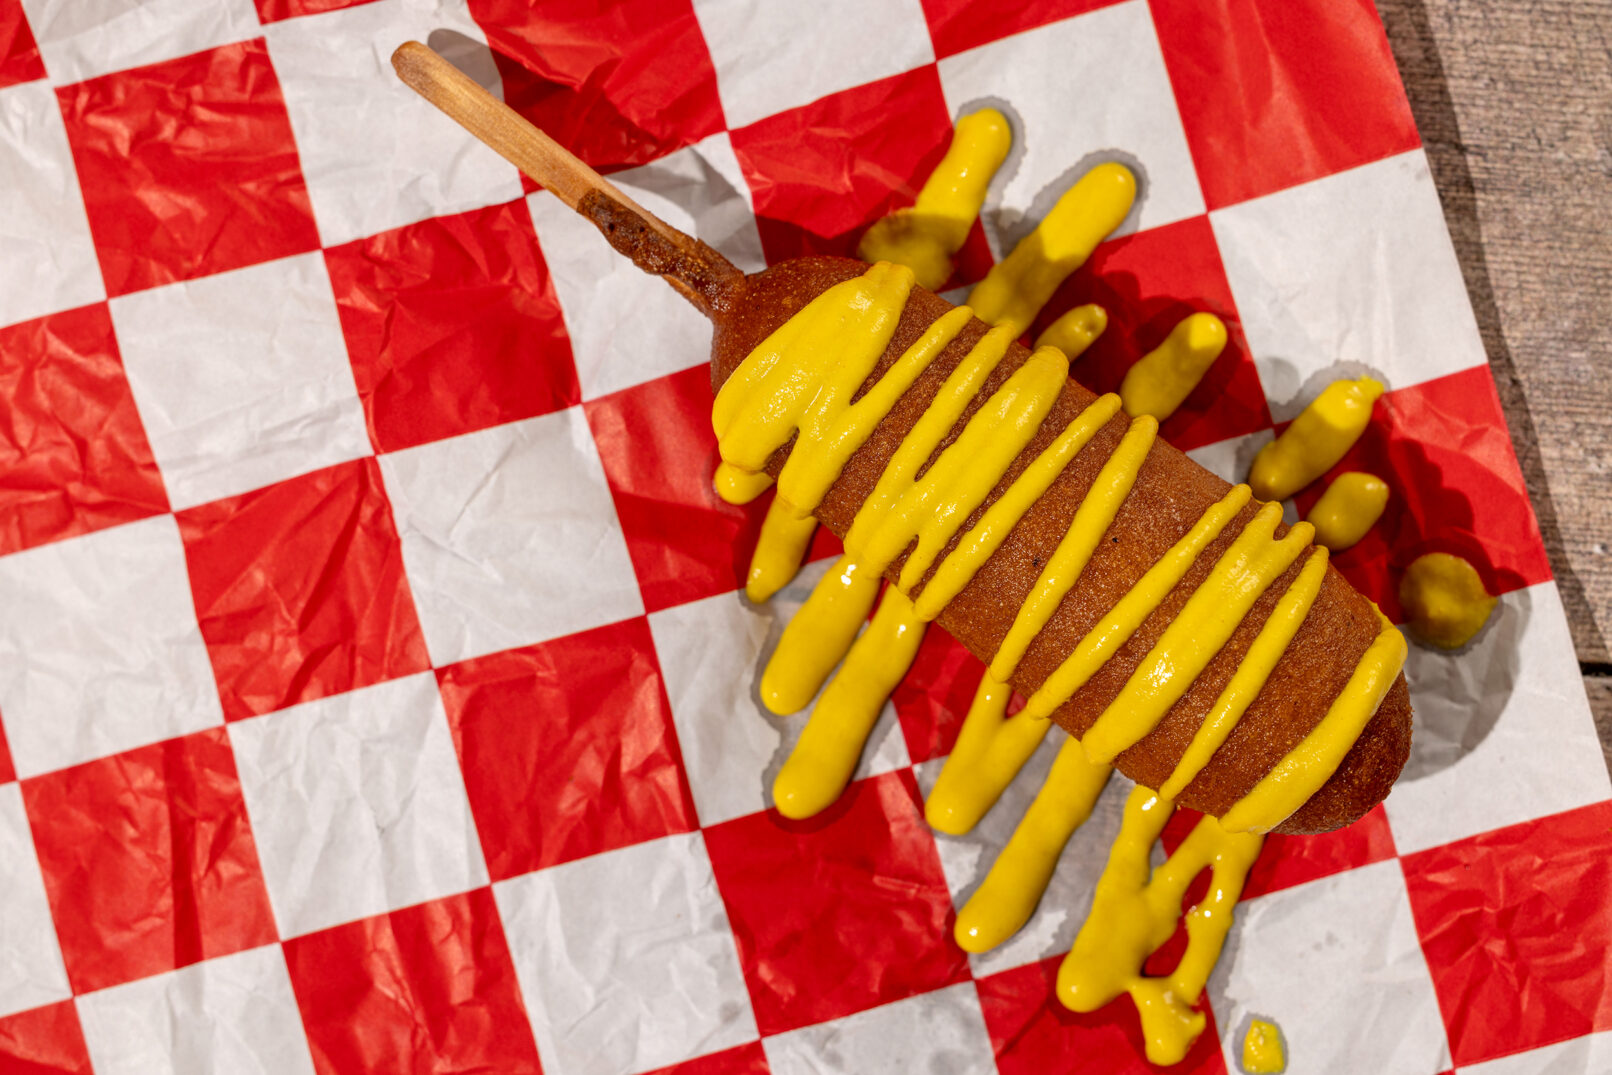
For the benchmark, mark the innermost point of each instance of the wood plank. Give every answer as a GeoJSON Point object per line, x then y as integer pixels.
{"type": "Point", "coordinates": [1514, 102]}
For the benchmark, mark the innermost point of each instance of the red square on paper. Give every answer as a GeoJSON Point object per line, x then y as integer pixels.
{"type": "Point", "coordinates": [659, 454]}
{"type": "Point", "coordinates": [617, 84]}
{"type": "Point", "coordinates": [148, 860]}
{"type": "Point", "coordinates": [274, 10]}
{"type": "Point", "coordinates": [1148, 282]}
{"type": "Point", "coordinates": [933, 697]}
{"type": "Point", "coordinates": [959, 25]}
{"type": "Point", "coordinates": [840, 913]}
{"type": "Point", "coordinates": [19, 53]}
{"type": "Point", "coordinates": [567, 748]}
{"type": "Point", "coordinates": [1517, 931]}
{"type": "Point", "coordinates": [188, 167]}
{"type": "Point", "coordinates": [1278, 92]}
{"type": "Point", "coordinates": [8, 772]}
{"type": "Point", "coordinates": [75, 457]}
{"type": "Point", "coordinates": [44, 1041]}
{"type": "Point", "coordinates": [300, 591]}
{"type": "Point", "coordinates": [745, 1060]}
{"type": "Point", "coordinates": [1455, 486]}
{"type": "Point", "coordinates": [427, 988]}
{"type": "Point", "coordinates": [452, 325]}
{"type": "Point", "coordinates": [1031, 1033]}
{"type": "Point", "coordinates": [820, 174]}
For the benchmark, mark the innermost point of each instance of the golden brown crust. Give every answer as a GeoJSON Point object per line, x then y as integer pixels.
{"type": "Point", "coordinates": [1170, 494]}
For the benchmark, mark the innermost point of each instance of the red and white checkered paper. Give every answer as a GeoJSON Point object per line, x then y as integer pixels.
{"type": "Point", "coordinates": [375, 692]}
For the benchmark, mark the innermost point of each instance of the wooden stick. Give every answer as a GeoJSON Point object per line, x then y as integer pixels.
{"type": "Point", "coordinates": [694, 269]}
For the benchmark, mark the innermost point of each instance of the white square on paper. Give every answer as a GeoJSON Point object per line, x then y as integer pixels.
{"type": "Point", "coordinates": [241, 378]}
{"type": "Point", "coordinates": [1337, 965]}
{"type": "Point", "coordinates": [375, 155]}
{"type": "Point", "coordinates": [1089, 89]}
{"type": "Point", "coordinates": [939, 1031]}
{"type": "Point", "coordinates": [1350, 273]}
{"type": "Point", "coordinates": [711, 656]}
{"type": "Point", "coordinates": [357, 804]}
{"type": "Point", "coordinates": [1230, 459]}
{"type": "Point", "coordinates": [1503, 729]}
{"type": "Point", "coordinates": [1578, 1056]}
{"type": "Point", "coordinates": [99, 648]}
{"type": "Point", "coordinates": [773, 56]}
{"type": "Point", "coordinates": [510, 536]}
{"type": "Point", "coordinates": [664, 987]}
{"type": "Point", "coordinates": [968, 858]}
{"type": "Point", "coordinates": [81, 39]}
{"type": "Point", "coordinates": [47, 259]}
{"type": "Point", "coordinates": [31, 969]}
{"type": "Point", "coordinates": [234, 1014]}
{"type": "Point", "coordinates": [626, 326]}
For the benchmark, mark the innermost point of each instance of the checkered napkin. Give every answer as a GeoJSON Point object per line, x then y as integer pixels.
{"type": "Point", "coordinates": [375, 690]}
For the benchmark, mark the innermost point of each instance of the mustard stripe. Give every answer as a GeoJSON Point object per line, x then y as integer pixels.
{"type": "Point", "coordinates": [1251, 674]}
{"type": "Point", "coordinates": [1121, 622]}
{"type": "Point", "coordinates": [987, 535]}
{"type": "Point", "coordinates": [1092, 520]}
{"type": "Point", "coordinates": [1199, 631]}
{"type": "Point", "coordinates": [1311, 764]}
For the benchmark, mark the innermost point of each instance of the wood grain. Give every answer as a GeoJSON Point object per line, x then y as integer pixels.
{"type": "Point", "coordinates": [1513, 99]}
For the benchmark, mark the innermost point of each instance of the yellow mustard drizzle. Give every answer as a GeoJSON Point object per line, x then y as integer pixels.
{"type": "Point", "coordinates": [1351, 505]}
{"type": "Point", "coordinates": [739, 486]}
{"type": "Point", "coordinates": [1307, 766]}
{"type": "Point", "coordinates": [926, 237]}
{"type": "Point", "coordinates": [990, 751]}
{"type": "Point", "coordinates": [1263, 1053]}
{"type": "Point", "coordinates": [825, 757]}
{"type": "Point", "coordinates": [1320, 436]}
{"type": "Point", "coordinates": [1135, 911]}
{"type": "Point", "coordinates": [1162, 379]}
{"type": "Point", "coordinates": [1008, 896]}
{"type": "Point", "coordinates": [1076, 330]}
{"type": "Point", "coordinates": [1445, 600]}
{"type": "Point", "coordinates": [1249, 679]}
{"type": "Point", "coordinates": [779, 550]}
{"type": "Point", "coordinates": [1121, 622]}
{"type": "Point", "coordinates": [1074, 552]}
{"type": "Point", "coordinates": [1199, 631]}
{"type": "Point", "coordinates": [1016, 288]}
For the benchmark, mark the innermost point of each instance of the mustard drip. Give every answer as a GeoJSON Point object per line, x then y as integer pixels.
{"type": "Point", "coordinates": [822, 762]}
{"type": "Point", "coordinates": [1121, 621]}
{"type": "Point", "coordinates": [1320, 436]}
{"type": "Point", "coordinates": [1162, 379]}
{"type": "Point", "coordinates": [1008, 896]}
{"type": "Point", "coordinates": [1076, 330]}
{"type": "Point", "coordinates": [1249, 679]}
{"type": "Point", "coordinates": [818, 636]}
{"type": "Point", "coordinates": [1134, 913]}
{"type": "Point", "coordinates": [1016, 288]}
{"type": "Point", "coordinates": [1263, 1053]}
{"type": "Point", "coordinates": [779, 550]}
{"type": "Point", "coordinates": [1307, 766]}
{"type": "Point", "coordinates": [1351, 505]}
{"type": "Point", "coordinates": [1445, 598]}
{"type": "Point", "coordinates": [927, 236]}
{"type": "Point", "coordinates": [738, 486]}
{"type": "Point", "coordinates": [990, 751]}
{"type": "Point", "coordinates": [1199, 631]}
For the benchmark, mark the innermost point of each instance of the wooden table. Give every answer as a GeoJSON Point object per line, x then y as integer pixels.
{"type": "Point", "coordinates": [1514, 102]}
